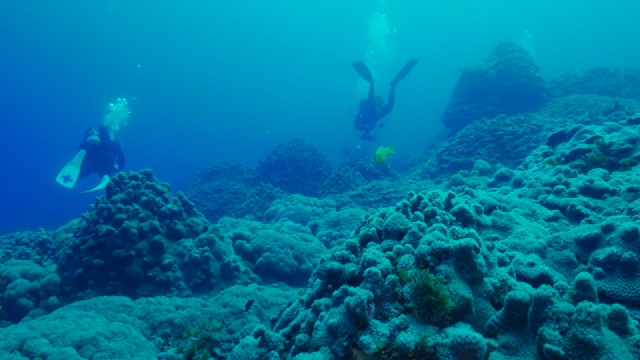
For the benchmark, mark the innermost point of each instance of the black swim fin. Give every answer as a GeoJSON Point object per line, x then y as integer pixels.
{"type": "Point", "coordinates": [362, 70]}
{"type": "Point", "coordinates": [406, 69]}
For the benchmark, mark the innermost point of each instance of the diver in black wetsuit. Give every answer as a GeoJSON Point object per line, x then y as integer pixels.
{"type": "Point", "coordinates": [104, 153]}
{"type": "Point", "coordinates": [100, 153]}
{"type": "Point", "coordinates": [371, 109]}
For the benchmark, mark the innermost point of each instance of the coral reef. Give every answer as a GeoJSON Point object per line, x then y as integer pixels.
{"type": "Point", "coordinates": [296, 166]}
{"type": "Point", "coordinates": [27, 289]}
{"type": "Point", "coordinates": [362, 296]}
{"type": "Point", "coordinates": [605, 81]}
{"type": "Point", "coordinates": [517, 238]}
{"type": "Point", "coordinates": [505, 83]}
{"type": "Point", "coordinates": [229, 189]}
{"type": "Point", "coordinates": [35, 246]}
{"type": "Point", "coordinates": [140, 240]}
{"type": "Point", "coordinates": [352, 174]}
{"type": "Point", "coordinates": [117, 327]}
{"type": "Point", "coordinates": [283, 251]}
{"type": "Point", "coordinates": [508, 140]}
{"type": "Point", "coordinates": [547, 251]}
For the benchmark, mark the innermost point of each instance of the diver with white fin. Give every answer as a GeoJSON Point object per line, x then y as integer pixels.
{"type": "Point", "coordinates": [371, 109]}
{"type": "Point", "coordinates": [100, 152]}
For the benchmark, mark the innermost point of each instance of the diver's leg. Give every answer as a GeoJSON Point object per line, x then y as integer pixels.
{"type": "Point", "coordinates": [362, 70]}
{"type": "Point", "coordinates": [386, 109]}
{"type": "Point", "coordinates": [392, 97]}
{"type": "Point", "coordinates": [406, 69]}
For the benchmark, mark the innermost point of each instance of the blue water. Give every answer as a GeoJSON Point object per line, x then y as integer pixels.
{"type": "Point", "coordinates": [229, 80]}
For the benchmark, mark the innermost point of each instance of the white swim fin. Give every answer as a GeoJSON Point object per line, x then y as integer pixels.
{"type": "Point", "coordinates": [68, 176]}
{"type": "Point", "coordinates": [103, 184]}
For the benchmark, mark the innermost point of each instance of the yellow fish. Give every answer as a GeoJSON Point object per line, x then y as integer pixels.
{"type": "Point", "coordinates": [383, 153]}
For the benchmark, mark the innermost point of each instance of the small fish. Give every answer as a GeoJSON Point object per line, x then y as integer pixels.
{"type": "Point", "coordinates": [248, 305]}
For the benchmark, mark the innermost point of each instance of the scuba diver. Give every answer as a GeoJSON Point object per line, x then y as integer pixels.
{"type": "Point", "coordinates": [371, 109]}
{"type": "Point", "coordinates": [100, 153]}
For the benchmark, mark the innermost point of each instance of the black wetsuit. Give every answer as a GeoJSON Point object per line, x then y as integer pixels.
{"type": "Point", "coordinates": [104, 157]}
{"type": "Point", "coordinates": [370, 113]}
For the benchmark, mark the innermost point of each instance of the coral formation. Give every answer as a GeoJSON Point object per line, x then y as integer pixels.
{"type": "Point", "coordinates": [27, 289]}
{"type": "Point", "coordinates": [140, 240]}
{"type": "Point", "coordinates": [505, 83]}
{"type": "Point", "coordinates": [488, 139]}
{"type": "Point", "coordinates": [605, 81]}
{"type": "Point", "coordinates": [352, 174]}
{"type": "Point", "coordinates": [229, 189]}
{"type": "Point", "coordinates": [296, 166]}
{"type": "Point", "coordinates": [366, 285]}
